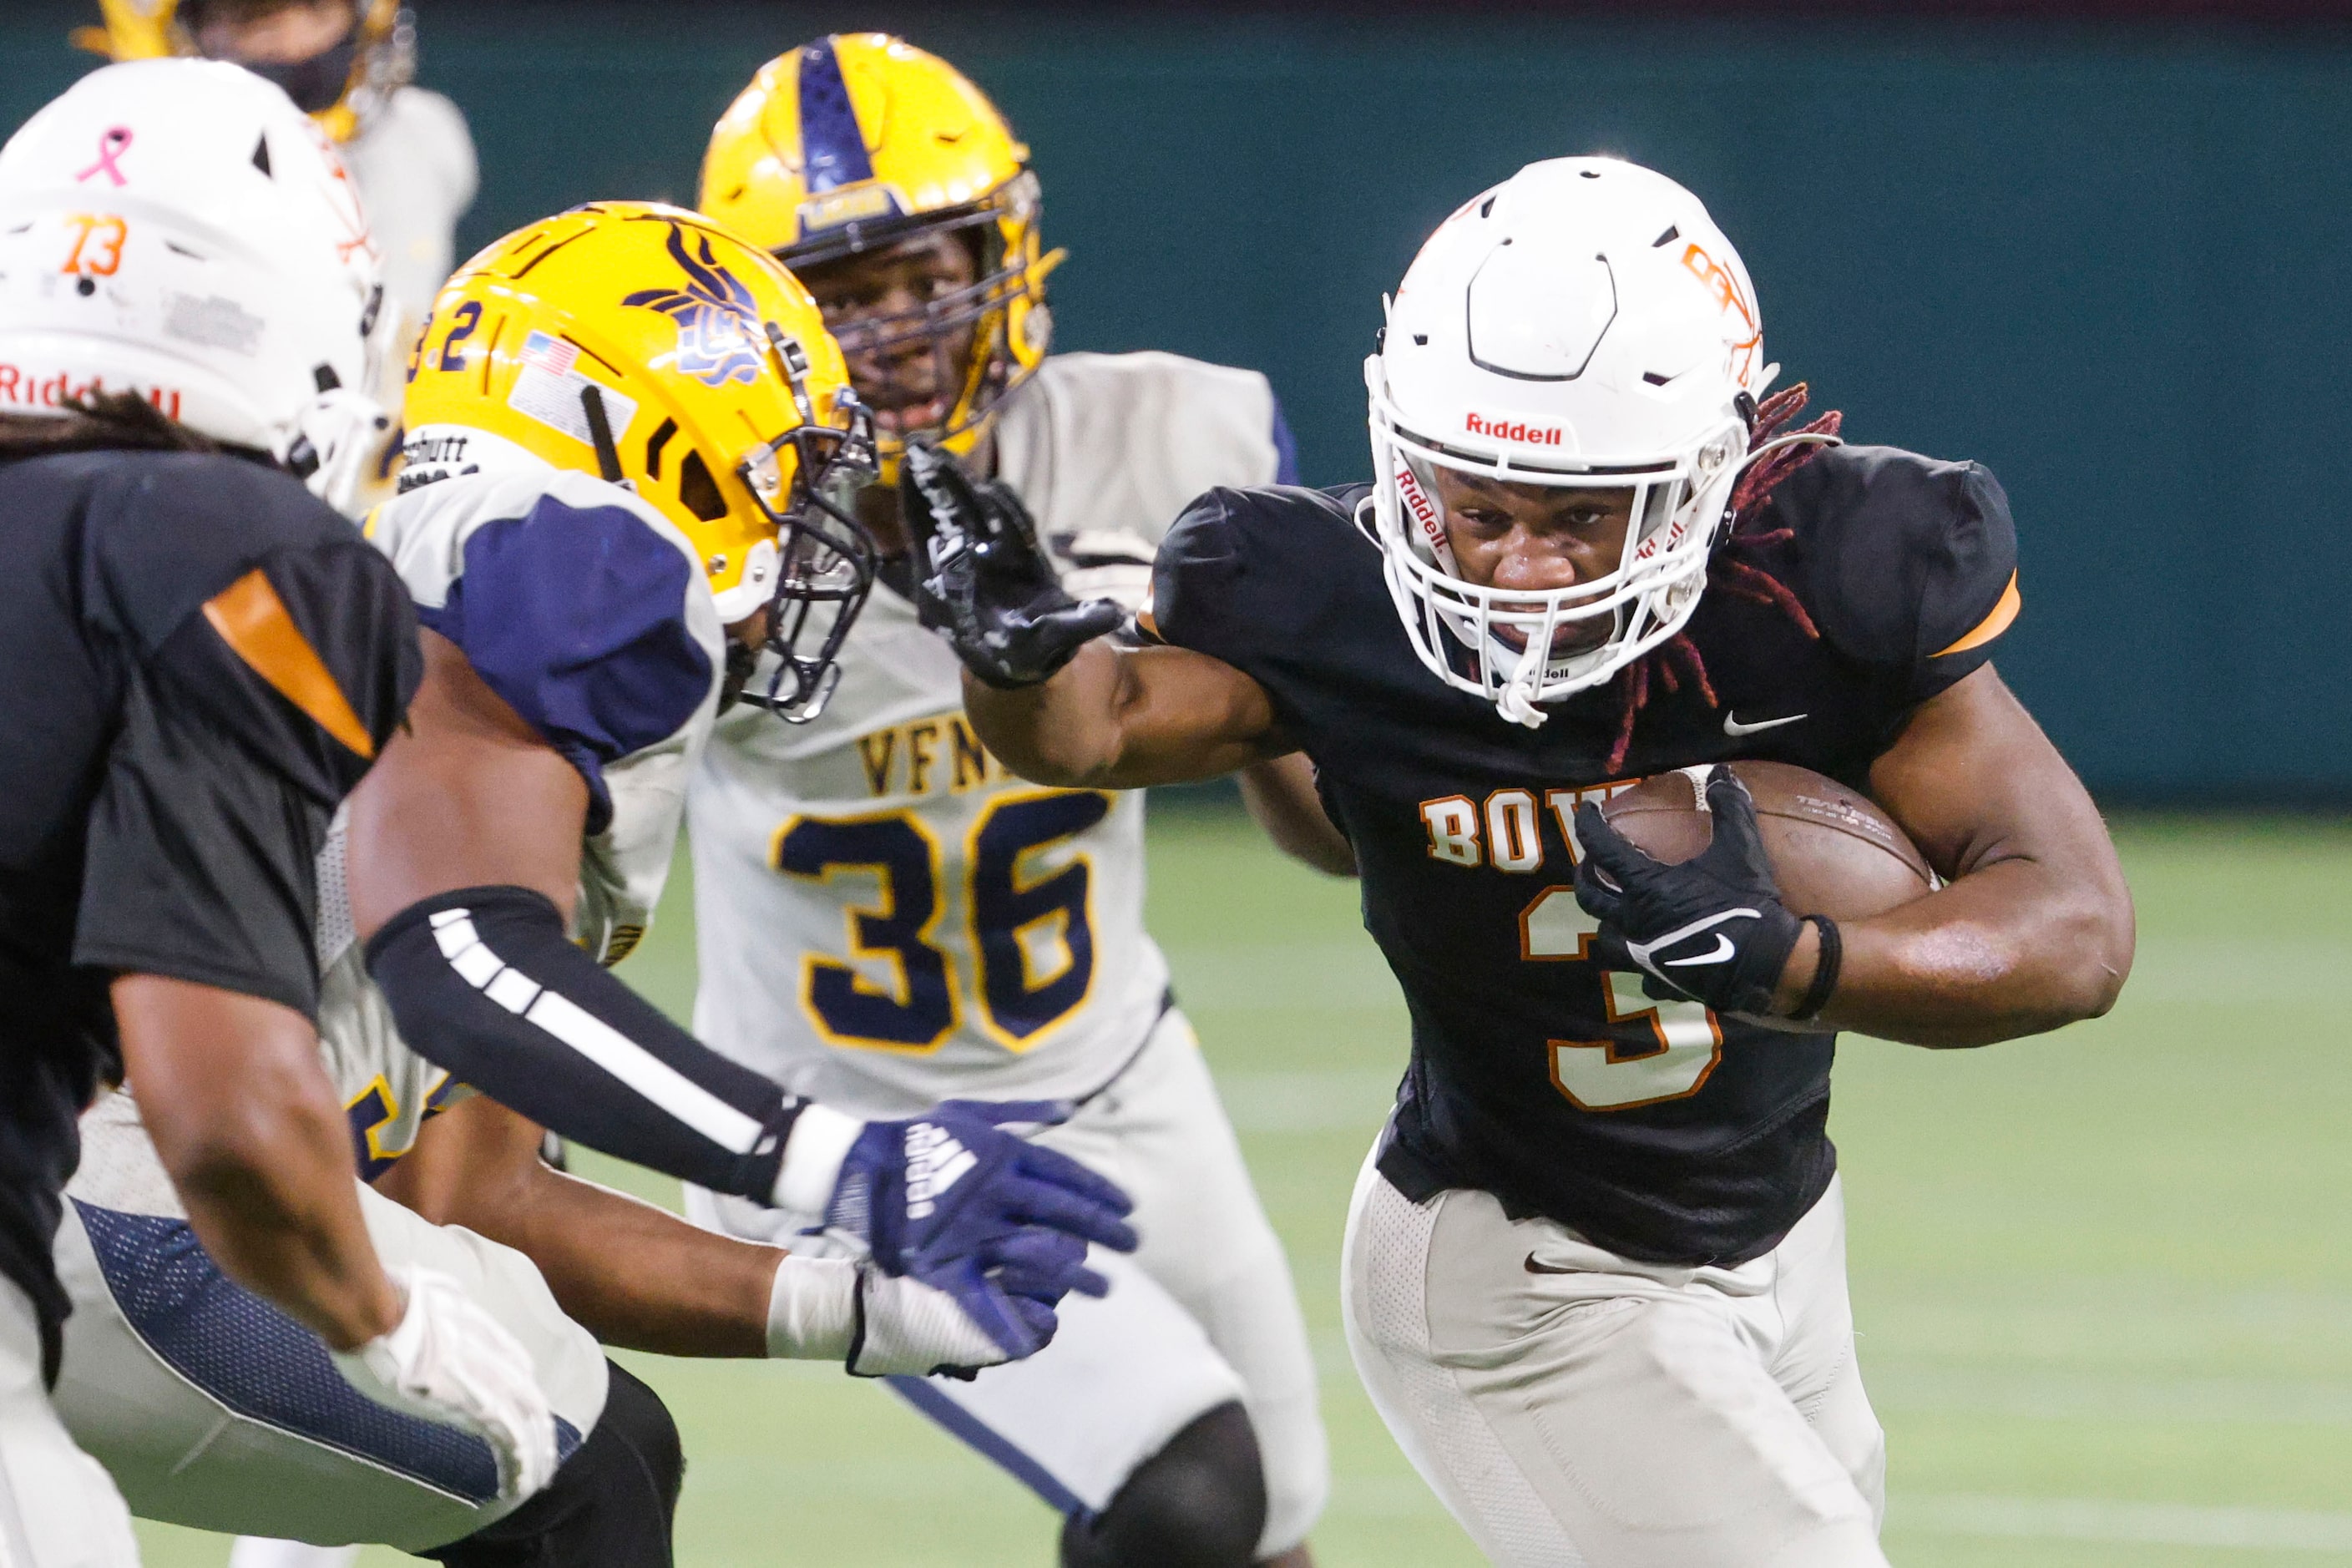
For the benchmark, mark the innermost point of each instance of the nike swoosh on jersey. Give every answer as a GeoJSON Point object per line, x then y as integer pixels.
{"type": "Point", "coordinates": [1734, 728]}
{"type": "Point", "coordinates": [1537, 1267]}
{"type": "Point", "coordinates": [1723, 950]}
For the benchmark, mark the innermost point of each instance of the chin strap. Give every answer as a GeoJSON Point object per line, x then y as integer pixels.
{"type": "Point", "coordinates": [335, 446]}
{"type": "Point", "coordinates": [1516, 700]}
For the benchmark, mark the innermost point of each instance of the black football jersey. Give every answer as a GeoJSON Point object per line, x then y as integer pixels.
{"type": "Point", "coordinates": [1659, 1131]}
{"type": "Point", "coordinates": [198, 660]}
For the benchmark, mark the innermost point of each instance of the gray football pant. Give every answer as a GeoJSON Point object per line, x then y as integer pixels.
{"type": "Point", "coordinates": [1575, 1409]}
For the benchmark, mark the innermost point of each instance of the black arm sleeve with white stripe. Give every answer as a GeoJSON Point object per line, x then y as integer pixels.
{"type": "Point", "coordinates": [483, 982]}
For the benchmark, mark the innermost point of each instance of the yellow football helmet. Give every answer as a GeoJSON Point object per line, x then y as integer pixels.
{"type": "Point", "coordinates": [647, 345]}
{"type": "Point", "coordinates": [342, 86]}
{"type": "Point", "coordinates": [859, 141]}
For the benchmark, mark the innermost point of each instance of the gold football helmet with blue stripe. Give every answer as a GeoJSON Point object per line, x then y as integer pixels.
{"type": "Point", "coordinates": [647, 345]}
{"type": "Point", "coordinates": [859, 141]}
{"type": "Point", "coordinates": [342, 86]}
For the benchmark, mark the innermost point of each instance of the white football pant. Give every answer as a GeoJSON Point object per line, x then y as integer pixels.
{"type": "Point", "coordinates": [256, 1552]}
{"type": "Point", "coordinates": [1204, 1313]}
{"type": "Point", "coordinates": [214, 1409]}
{"type": "Point", "coordinates": [57, 1507]}
{"type": "Point", "coordinates": [1575, 1409]}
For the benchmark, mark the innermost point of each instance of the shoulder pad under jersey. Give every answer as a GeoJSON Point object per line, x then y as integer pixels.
{"type": "Point", "coordinates": [1903, 559]}
{"type": "Point", "coordinates": [1245, 569]}
{"type": "Point", "coordinates": [578, 603]}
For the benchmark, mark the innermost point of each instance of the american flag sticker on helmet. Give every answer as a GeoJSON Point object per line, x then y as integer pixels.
{"type": "Point", "coordinates": [550, 353]}
{"type": "Point", "coordinates": [549, 390]}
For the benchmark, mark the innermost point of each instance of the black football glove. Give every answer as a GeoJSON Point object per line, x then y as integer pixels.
{"type": "Point", "coordinates": [982, 580]}
{"type": "Point", "coordinates": [1712, 930]}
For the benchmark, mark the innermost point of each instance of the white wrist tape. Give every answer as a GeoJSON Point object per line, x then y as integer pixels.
{"type": "Point", "coordinates": [813, 1309]}
{"type": "Point", "coordinates": [820, 1142]}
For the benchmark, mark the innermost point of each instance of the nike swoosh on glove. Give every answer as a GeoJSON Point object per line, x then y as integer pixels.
{"type": "Point", "coordinates": [1711, 930]}
{"type": "Point", "coordinates": [983, 582]}
{"type": "Point", "coordinates": [450, 1361]}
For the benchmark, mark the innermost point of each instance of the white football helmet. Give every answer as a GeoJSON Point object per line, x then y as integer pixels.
{"type": "Point", "coordinates": [179, 229]}
{"type": "Point", "coordinates": [1583, 324]}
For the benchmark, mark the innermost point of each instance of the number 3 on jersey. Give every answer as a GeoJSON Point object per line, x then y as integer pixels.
{"type": "Point", "coordinates": [1015, 915]}
{"type": "Point", "coordinates": [1610, 1075]}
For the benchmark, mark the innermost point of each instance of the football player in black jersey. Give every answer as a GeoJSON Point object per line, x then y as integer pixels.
{"type": "Point", "coordinates": [206, 661]}
{"type": "Point", "coordinates": [1595, 1274]}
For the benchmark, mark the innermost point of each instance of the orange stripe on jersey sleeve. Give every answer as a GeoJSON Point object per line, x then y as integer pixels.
{"type": "Point", "coordinates": [252, 619]}
{"type": "Point", "coordinates": [1993, 625]}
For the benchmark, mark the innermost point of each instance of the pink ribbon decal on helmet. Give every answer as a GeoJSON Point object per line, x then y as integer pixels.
{"type": "Point", "coordinates": [111, 144]}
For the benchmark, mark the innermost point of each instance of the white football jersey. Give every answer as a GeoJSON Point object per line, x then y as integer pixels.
{"type": "Point", "coordinates": [589, 615]}
{"type": "Point", "coordinates": [414, 165]}
{"type": "Point", "coordinates": [885, 917]}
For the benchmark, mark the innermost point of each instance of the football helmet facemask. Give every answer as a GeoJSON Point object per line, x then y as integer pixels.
{"type": "Point", "coordinates": [858, 143]}
{"type": "Point", "coordinates": [1582, 325]}
{"type": "Point", "coordinates": [649, 346]}
{"type": "Point", "coordinates": [339, 88]}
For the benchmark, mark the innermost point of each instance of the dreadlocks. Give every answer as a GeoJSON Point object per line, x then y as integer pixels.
{"type": "Point", "coordinates": [99, 421]}
{"type": "Point", "coordinates": [1677, 659]}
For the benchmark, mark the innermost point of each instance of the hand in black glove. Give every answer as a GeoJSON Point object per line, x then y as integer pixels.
{"type": "Point", "coordinates": [982, 580]}
{"type": "Point", "coordinates": [1711, 930]}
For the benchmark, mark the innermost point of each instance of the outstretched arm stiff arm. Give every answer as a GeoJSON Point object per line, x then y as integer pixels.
{"type": "Point", "coordinates": [1117, 718]}
{"type": "Point", "coordinates": [2033, 932]}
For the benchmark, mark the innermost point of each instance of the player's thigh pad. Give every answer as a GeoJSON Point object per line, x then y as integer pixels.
{"type": "Point", "coordinates": [214, 1409]}
{"type": "Point", "coordinates": [1159, 1132]}
{"type": "Point", "coordinates": [1815, 1360]}
{"type": "Point", "coordinates": [58, 1507]}
{"type": "Point", "coordinates": [1621, 1416]}
{"type": "Point", "coordinates": [1124, 1374]}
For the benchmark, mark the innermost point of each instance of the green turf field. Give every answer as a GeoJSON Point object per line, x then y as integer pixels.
{"type": "Point", "coordinates": [2101, 1278]}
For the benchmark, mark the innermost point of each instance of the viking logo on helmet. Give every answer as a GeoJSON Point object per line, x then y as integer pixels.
{"type": "Point", "coordinates": [718, 325]}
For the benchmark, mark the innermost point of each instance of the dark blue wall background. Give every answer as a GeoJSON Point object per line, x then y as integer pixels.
{"type": "Point", "coordinates": [2110, 262]}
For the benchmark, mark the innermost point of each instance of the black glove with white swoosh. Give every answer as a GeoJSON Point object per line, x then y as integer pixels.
{"type": "Point", "coordinates": [982, 580]}
{"type": "Point", "coordinates": [1712, 930]}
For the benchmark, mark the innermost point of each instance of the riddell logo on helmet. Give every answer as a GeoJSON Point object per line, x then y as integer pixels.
{"type": "Point", "coordinates": [29, 389]}
{"type": "Point", "coordinates": [1512, 430]}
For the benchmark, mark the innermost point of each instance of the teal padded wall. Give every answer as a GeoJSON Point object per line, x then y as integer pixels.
{"type": "Point", "coordinates": [2112, 263]}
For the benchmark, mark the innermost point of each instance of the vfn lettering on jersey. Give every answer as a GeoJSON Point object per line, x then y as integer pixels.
{"type": "Point", "coordinates": [1505, 830]}
{"type": "Point", "coordinates": [925, 757]}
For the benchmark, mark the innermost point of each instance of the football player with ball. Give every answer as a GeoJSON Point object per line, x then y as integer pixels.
{"type": "Point", "coordinates": [1595, 1274]}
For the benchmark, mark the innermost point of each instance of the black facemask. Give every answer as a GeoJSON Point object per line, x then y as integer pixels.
{"type": "Point", "coordinates": [314, 84]}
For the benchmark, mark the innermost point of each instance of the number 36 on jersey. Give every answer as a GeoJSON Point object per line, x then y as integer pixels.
{"type": "Point", "coordinates": [996, 932]}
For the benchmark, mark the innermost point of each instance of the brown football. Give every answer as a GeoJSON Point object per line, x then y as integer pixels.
{"type": "Point", "coordinates": [1834, 853]}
